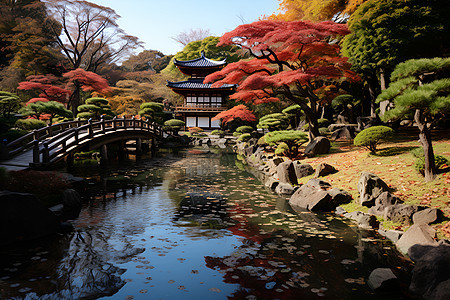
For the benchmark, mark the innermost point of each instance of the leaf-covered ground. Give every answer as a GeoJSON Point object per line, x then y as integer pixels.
{"type": "Point", "coordinates": [395, 165]}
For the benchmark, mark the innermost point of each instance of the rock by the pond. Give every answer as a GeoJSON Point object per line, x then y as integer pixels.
{"type": "Point", "coordinates": [302, 170]}
{"type": "Point", "coordinates": [23, 217]}
{"type": "Point", "coordinates": [431, 273]}
{"type": "Point", "coordinates": [71, 201]}
{"type": "Point", "coordinates": [273, 163]}
{"type": "Point", "coordinates": [366, 221]}
{"type": "Point", "coordinates": [317, 195]}
{"type": "Point", "coordinates": [344, 133]}
{"type": "Point", "coordinates": [420, 234]}
{"type": "Point", "coordinates": [370, 187]}
{"type": "Point", "coordinates": [393, 235]}
{"type": "Point", "coordinates": [340, 211]}
{"type": "Point", "coordinates": [319, 145]}
{"type": "Point", "coordinates": [381, 202]}
{"type": "Point", "coordinates": [324, 169]}
{"type": "Point", "coordinates": [286, 172]}
{"type": "Point", "coordinates": [284, 189]}
{"type": "Point", "coordinates": [249, 150]}
{"type": "Point", "coordinates": [400, 213]}
{"type": "Point", "coordinates": [428, 216]}
{"type": "Point", "coordinates": [382, 280]}
{"type": "Point", "coordinates": [271, 183]}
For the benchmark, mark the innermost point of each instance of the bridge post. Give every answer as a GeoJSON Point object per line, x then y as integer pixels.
{"type": "Point", "coordinates": [35, 134]}
{"type": "Point", "coordinates": [46, 154]}
{"type": "Point", "coordinates": [69, 160]}
{"type": "Point", "coordinates": [133, 122]}
{"type": "Point", "coordinates": [102, 124]}
{"type": "Point", "coordinates": [75, 135]}
{"type": "Point", "coordinates": [114, 123]}
{"type": "Point", "coordinates": [121, 151]}
{"type": "Point", "coordinates": [103, 154]}
{"type": "Point", "coordinates": [138, 146]}
{"type": "Point", "coordinates": [36, 151]}
{"type": "Point", "coordinates": [90, 129]}
{"type": "Point", "coordinates": [50, 130]}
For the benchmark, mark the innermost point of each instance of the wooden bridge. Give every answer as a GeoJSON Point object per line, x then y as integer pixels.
{"type": "Point", "coordinates": [46, 146]}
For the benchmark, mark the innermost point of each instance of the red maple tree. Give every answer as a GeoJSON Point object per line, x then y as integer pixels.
{"type": "Point", "coordinates": [48, 87]}
{"type": "Point", "coordinates": [240, 111]}
{"type": "Point", "coordinates": [294, 61]}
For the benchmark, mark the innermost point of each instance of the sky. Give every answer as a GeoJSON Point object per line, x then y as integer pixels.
{"type": "Point", "coordinates": [154, 22]}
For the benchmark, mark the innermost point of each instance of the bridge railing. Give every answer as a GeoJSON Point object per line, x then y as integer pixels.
{"type": "Point", "coordinates": [27, 141]}
{"type": "Point", "coordinates": [58, 145]}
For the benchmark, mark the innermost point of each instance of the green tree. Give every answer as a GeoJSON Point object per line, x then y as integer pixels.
{"type": "Point", "coordinates": [420, 89]}
{"type": "Point", "coordinates": [52, 109]}
{"type": "Point", "coordinates": [94, 109]}
{"type": "Point", "coordinates": [275, 121]}
{"type": "Point", "coordinates": [292, 138]}
{"type": "Point", "coordinates": [174, 125]}
{"type": "Point", "coordinates": [9, 103]}
{"type": "Point", "coordinates": [346, 105]}
{"type": "Point", "coordinates": [152, 111]}
{"type": "Point", "coordinates": [387, 32]}
{"type": "Point", "coordinates": [371, 137]}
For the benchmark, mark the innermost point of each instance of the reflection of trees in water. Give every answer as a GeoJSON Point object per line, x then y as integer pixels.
{"type": "Point", "coordinates": [86, 270]}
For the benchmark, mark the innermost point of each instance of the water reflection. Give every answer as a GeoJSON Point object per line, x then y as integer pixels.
{"type": "Point", "coordinates": [193, 226]}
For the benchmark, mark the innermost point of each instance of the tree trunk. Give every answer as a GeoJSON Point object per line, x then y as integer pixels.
{"type": "Point", "coordinates": [384, 105]}
{"type": "Point", "coordinates": [74, 100]}
{"type": "Point", "coordinates": [425, 140]}
{"type": "Point", "coordinates": [373, 97]}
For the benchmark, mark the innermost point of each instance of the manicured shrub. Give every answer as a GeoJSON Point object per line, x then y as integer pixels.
{"type": "Point", "coordinates": [323, 122]}
{"type": "Point", "coordinates": [293, 139]}
{"type": "Point", "coordinates": [275, 121]}
{"type": "Point", "coordinates": [29, 124]}
{"type": "Point", "coordinates": [12, 134]}
{"type": "Point", "coordinates": [244, 137]}
{"type": "Point", "coordinates": [419, 165]}
{"type": "Point", "coordinates": [95, 108]}
{"type": "Point", "coordinates": [195, 129]}
{"type": "Point", "coordinates": [282, 149]}
{"type": "Point", "coordinates": [244, 129]}
{"type": "Point", "coordinates": [371, 137]}
{"type": "Point", "coordinates": [236, 133]}
{"type": "Point", "coordinates": [173, 125]}
{"type": "Point", "coordinates": [218, 132]}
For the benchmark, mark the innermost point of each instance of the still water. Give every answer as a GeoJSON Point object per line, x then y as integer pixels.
{"type": "Point", "coordinates": [195, 225]}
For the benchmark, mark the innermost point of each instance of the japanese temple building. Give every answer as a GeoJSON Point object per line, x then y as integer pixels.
{"type": "Point", "coordinates": [201, 101]}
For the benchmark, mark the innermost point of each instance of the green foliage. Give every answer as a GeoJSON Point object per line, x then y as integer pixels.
{"type": "Point", "coordinates": [292, 110]}
{"type": "Point", "coordinates": [282, 149]}
{"type": "Point", "coordinates": [244, 137]}
{"type": "Point", "coordinates": [9, 103]}
{"type": "Point", "coordinates": [244, 129]}
{"type": "Point", "coordinates": [261, 141]}
{"type": "Point", "coordinates": [386, 32]}
{"type": "Point", "coordinates": [371, 137]}
{"type": "Point", "coordinates": [324, 131]}
{"type": "Point", "coordinates": [275, 121]}
{"type": "Point", "coordinates": [218, 132]}
{"type": "Point", "coordinates": [293, 138]}
{"type": "Point", "coordinates": [13, 134]}
{"type": "Point", "coordinates": [29, 124]}
{"type": "Point", "coordinates": [236, 133]}
{"type": "Point", "coordinates": [323, 122]}
{"type": "Point", "coordinates": [439, 161]}
{"type": "Point", "coordinates": [174, 125]}
{"type": "Point", "coordinates": [94, 108]}
{"type": "Point", "coordinates": [152, 111]}
{"type": "Point", "coordinates": [195, 130]}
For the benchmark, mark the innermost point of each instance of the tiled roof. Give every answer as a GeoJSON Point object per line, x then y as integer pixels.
{"type": "Point", "coordinates": [201, 62]}
{"type": "Point", "coordinates": [195, 84]}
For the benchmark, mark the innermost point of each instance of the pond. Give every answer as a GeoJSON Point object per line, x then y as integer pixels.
{"type": "Point", "coordinates": [195, 225]}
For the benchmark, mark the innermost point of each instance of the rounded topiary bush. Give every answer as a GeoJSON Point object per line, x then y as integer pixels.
{"type": "Point", "coordinates": [244, 137]}
{"type": "Point", "coordinates": [174, 125]}
{"type": "Point", "coordinates": [244, 129]}
{"type": "Point", "coordinates": [371, 137]}
{"type": "Point", "coordinates": [29, 124]}
{"type": "Point", "coordinates": [292, 138]}
{"type": "Point", "coordinates": [236, 133]}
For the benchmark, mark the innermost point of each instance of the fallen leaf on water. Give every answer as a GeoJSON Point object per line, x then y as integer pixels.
{"type": "Point", "coordinates": [216, 290]}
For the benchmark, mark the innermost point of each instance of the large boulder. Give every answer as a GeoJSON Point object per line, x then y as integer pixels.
{"type": "Point", "coordinates": [286, 173]}
{"type": "Point", "coordinates": [428, 216]}
{"type": "Point", "coordinates": [319, 145]}
{"type": "Point", "coordinates": [284, 189]}
{"type": "Point", "coordinates": [71, 201]}
{"type": "Point", "coordinates": [324, 169]}
{"type": "Point", "coordinates": [370, 187]}
{"type": "Point", "coordinates": [382, 280]}
{"type": "Point", "coordinates": [420, 234]}
{"type": "Point", "coordinates": [431, 273]}
{"type": "Point", "coordinates": [271, 183]}
{"type": "Point", "coordinates": [366, 221]}
{"type": "Point", "coordinates": [23, 217]}
{"type": "Point", "coordinates": [400, 213]}
{"type": "Point", "coordinates": [273, 164]}
{"type": "Point", "coordinates": [302, 170]}
{"type": "Point", "coordinates": [384, 200]}
{"type": "Point", "coordinates": [317, 195]}
{"type": "Point", "coordinates": [344, 133]}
